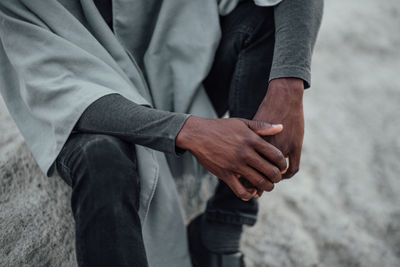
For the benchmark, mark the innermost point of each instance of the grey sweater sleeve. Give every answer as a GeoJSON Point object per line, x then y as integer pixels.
{"type": "Point", "coordinates": [117, 116]}
{"type": "Point", "coordinates": [297, 24]}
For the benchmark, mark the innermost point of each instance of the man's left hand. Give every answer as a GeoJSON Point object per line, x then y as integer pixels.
{"type": "Point", "coordinates": [284, 104]}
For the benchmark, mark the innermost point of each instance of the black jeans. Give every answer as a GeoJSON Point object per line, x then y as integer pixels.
{"type": "Point", "coordinates": [102, 171]}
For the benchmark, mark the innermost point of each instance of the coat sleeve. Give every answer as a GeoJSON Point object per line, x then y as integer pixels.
{"type": "Point", "coordinates": [57, 74]}
{"type": "Point", "coordinates": [297, 23]}
{"type": "Point", "coordinates": [117, 116]}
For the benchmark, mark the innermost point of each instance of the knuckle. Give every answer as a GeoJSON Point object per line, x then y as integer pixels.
{"type": "Point", "coordinates": [257, 124]}
{"type": "Point", "coordinates": [261, 183]}
{"type": "Point", "coordinates": [278, 156]}
{"type": "Point", "coordinates": [250, 139]}
{"type": "Point", "coordinates": [244, 154]}
{"type": "Point", "coordinates": [247, 154]}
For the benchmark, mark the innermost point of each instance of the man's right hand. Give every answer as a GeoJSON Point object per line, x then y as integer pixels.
{"type": "Point", "coordinates": [232, 149]}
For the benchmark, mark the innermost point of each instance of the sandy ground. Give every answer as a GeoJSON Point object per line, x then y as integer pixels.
{"type": "Point", "coordinates": [343, 208]}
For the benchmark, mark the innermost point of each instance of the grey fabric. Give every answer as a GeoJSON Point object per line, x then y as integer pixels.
{"type": "Point", "coordinates": [117, 116]}
{"type": "Point", "coordinates": [296, 27]}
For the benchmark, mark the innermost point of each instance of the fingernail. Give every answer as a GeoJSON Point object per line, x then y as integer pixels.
{"type": "Point", "coordinates": [277, 125]}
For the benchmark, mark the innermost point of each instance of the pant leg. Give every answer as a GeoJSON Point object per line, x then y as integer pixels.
{"type": "Point", "coordinates": [238, 82]}
{"type": "Point", "coordinates": [102, 172]}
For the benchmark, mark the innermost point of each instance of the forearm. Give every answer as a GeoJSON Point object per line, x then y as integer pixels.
{"type": "Point", "coordinates": [115, 115]}
{"type": "Point", "coordinates": [297, 24]}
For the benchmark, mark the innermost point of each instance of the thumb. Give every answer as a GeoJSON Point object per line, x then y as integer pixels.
{"type": "Point", "coordinates": [263, 128]}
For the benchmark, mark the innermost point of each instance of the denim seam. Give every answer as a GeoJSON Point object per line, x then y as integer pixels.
{"type": "Point", "coordinates": [236, 92]}
{"type": "Point", "coordinates": [69, 154]}
{"type": "Point", "coordinates": [66, 171]}
{"type": "Point", "coordinates": [66, 159]}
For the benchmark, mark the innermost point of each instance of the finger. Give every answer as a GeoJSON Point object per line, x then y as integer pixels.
{"type": "Point", "coordinates": [271, 153]}
{"type": "Point", "coordinates": [263, 128]}
{"type": "Point", "coordinates": [257, 179]}
{"type": "Point", "coordinates": [249, 187]}
{"type": "Point", "coordinates": [294, 164]}
{"type": "Point", "coordinates": [252, 191]}
{"type": "Point", "coordinates": [263, 166]}
{"type": "Point", "coordinates": [259, 193]}
{"type": "Point", "coordinates": [239, 190]}
{"type": "Point", "coordinates": [245, 183]}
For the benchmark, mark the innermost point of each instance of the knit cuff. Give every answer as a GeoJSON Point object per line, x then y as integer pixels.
{"type": "Point", "coordinates": [292, 72]}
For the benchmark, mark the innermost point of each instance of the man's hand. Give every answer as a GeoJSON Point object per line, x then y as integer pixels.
{"type": "Point", "coordinates": [284, 104]}
{"type": "Point", "coordinates": [232, 149]}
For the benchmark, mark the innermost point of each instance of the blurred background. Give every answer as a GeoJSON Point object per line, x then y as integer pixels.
{"type": "Point", "coordinates": [342, 209]}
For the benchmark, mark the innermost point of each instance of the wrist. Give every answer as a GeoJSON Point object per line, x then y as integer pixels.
{"type": "Point", "coordinates": [286, 90]}
{"type": "Point", "coordinates": [185, 138]}
{"type": "Point", "coordinates": [294, 85]}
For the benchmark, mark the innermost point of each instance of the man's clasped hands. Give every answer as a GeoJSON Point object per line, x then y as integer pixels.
{"type": "Point", "coordinates": [250, 155]}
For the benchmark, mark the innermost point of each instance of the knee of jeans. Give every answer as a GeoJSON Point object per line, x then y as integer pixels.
{"type": "Point", "coordinates": [240, 21]}
{"type": "Point", "coordinates": [105, 163]}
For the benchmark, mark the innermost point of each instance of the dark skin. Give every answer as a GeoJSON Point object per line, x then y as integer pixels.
{"type": "Point", "coordinates": [254, 150]}
{"type": "Point", "coordinates": [284, 104]}
{"type": "Point", "coordinates": [236, 150]}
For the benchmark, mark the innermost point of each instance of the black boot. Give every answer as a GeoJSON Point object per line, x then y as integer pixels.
{"type": "Point", "coordinates": [202, 257]}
